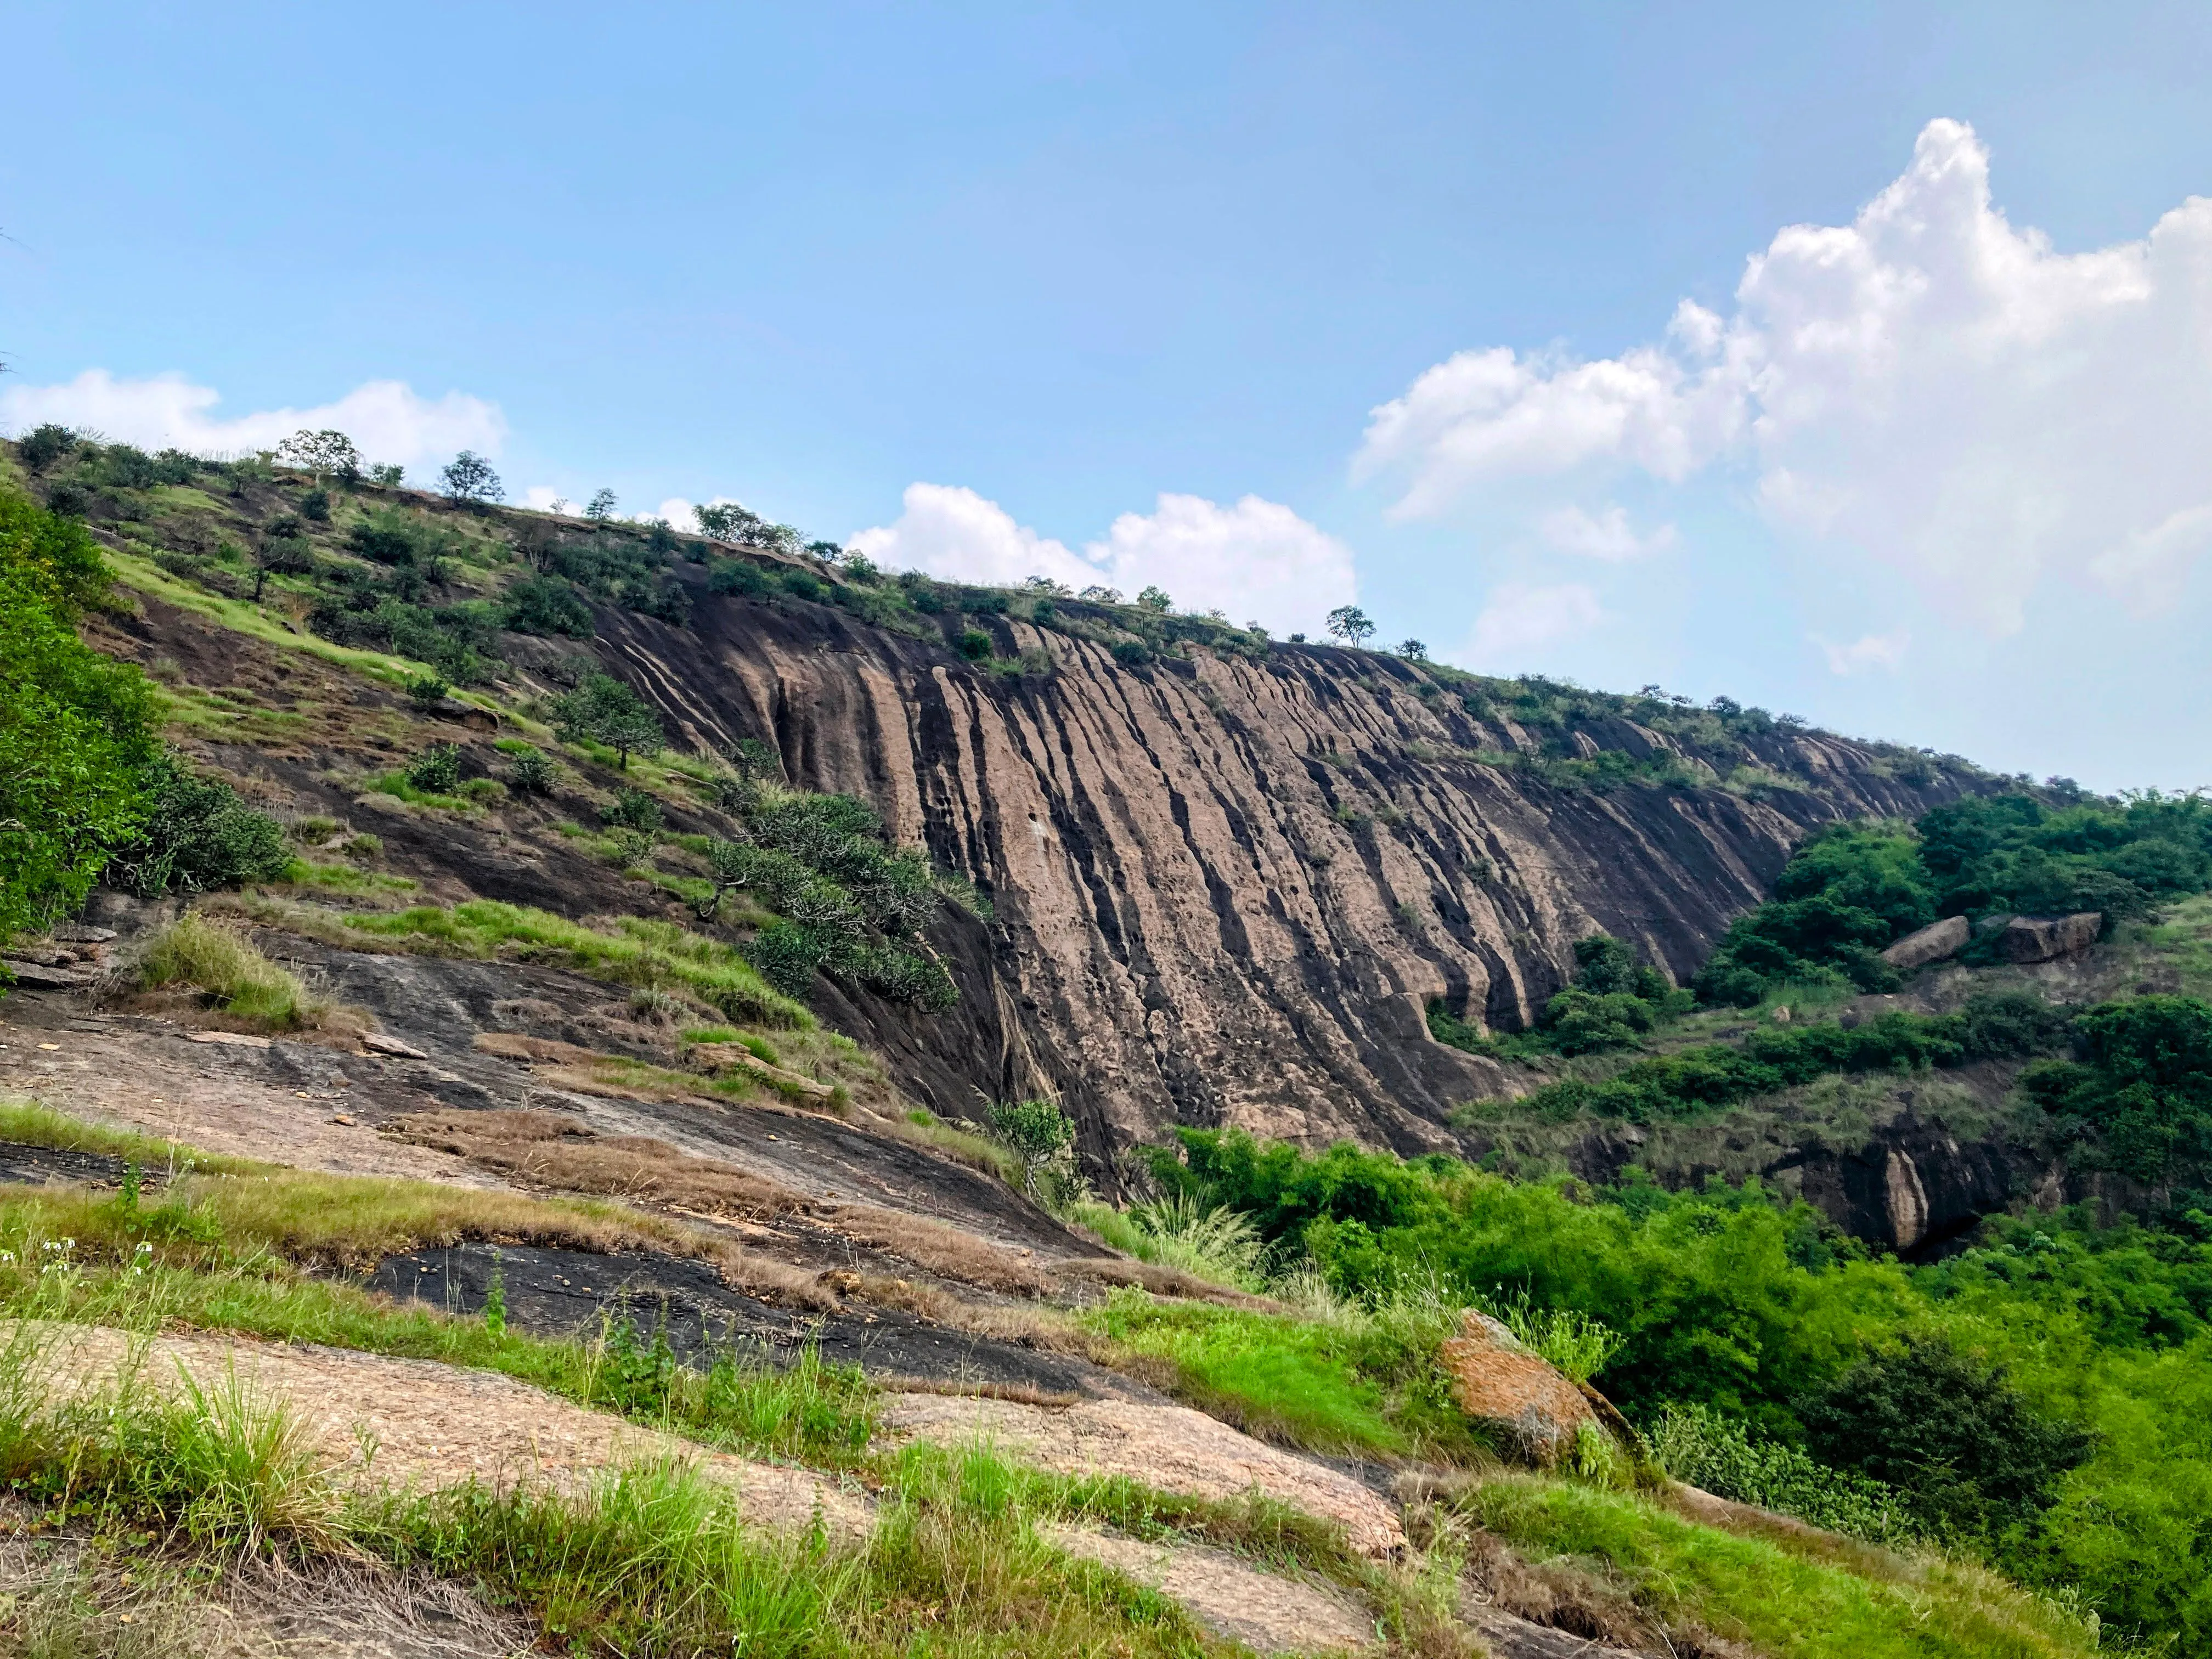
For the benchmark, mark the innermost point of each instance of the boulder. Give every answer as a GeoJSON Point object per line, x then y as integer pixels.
{"type": "Point", "coordinates": [48, 975]}
{"type": "Point", "coordinates": [1536, 1409]}
{"type": "Point", "coordinates": [1933, 943]}
{"type": "Point", "coordinates": [2044, 939]}
{"type": "Point", "coordinates": [454, 710]}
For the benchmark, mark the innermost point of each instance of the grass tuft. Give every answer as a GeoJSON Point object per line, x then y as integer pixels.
{"type": "Point", "coordinates": [216, 957]}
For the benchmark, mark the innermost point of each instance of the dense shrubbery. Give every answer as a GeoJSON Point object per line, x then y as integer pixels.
{"type": "Point", "coordinates": [1854, 889]}
{"type": "Point", "coordinates": [198, 837]}
{"type": "Point", "coordinates": [75, 729]}
{"type": "Point", "coordinates": [1614, 1002]}
{"type": "Point", "coordinates": [2045, 1400]}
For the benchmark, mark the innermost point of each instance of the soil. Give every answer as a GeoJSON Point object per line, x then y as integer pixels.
{"type": "Point", "coordinates": [1232, 1598]}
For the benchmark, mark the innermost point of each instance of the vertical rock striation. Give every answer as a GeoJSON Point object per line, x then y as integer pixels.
{"type": "Point", "coordinates": [1225, 889]}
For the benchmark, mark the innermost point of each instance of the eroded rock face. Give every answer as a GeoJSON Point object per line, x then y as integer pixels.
{"type": "Point", "coordinates": [1226, 890]}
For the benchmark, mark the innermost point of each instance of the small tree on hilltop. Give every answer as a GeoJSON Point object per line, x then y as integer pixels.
{"type": "Point", "coordinates": [1414, 650]}
{"type": "Point", "coordinates": [601, 507]}
{"type": "Point", "coordinates": [1155, 599]}
{"type": "Point", "coordinates": [324, 455]}
{"type": "Point", "coordinates": [469, 479]}
{"type": "Point", "coordinates": [604, 710]}
{"type": "Point", "coordinates": [1349, 622]}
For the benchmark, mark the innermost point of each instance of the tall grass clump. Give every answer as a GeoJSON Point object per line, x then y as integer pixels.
{"type": "Point", "coordinates": [1218, 1244]}
{"type": "Point", "coordinates": [218, 958]}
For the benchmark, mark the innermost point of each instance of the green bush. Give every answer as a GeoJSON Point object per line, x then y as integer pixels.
{"type": "Point", "coordinates": [787, 955]}
{"type": "Point", "coordinates": [531, 771]}
{"type": "Point", "coordinates": [545, 605]}
{"type": "Point", "coordinates": [1965, 1449]}
{"type": "Point", "coordinates": [198, 837]}
{"type": "Point", "coordinates": [632, 808]}
{"type": "Point", "coordinates": [1720, 1455]}
{"type": "Point", "coordinates": [42, 446]}
{"type": "Point", "coordinates": [974, 645]}
{"type": "Point", "coordinates": [437, 769]}
{"type": "Point", "coordinates": [76, 733]}
{"type": "Point", "coordinates": [427, 692]}
{"type": "Point", "coordinates": [604, 710]}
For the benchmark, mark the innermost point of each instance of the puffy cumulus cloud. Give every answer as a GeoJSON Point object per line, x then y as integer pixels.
{"type": "Point", "coordinates": [386, 419]}
{"type": "Point", "coordinates": [1520, 619]}
{"type": "Point", "coordinates": [1606, 534]}
{"type": "Point", "coordinates": [1929, 385]}
{"type": "Point", "coordinates": [1885, 651]}
{"type": "Point", "coordinates": [1256, 560]}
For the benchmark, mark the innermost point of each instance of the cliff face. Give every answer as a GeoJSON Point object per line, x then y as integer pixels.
{"type": "Point", "coordinates": [1226, 890]}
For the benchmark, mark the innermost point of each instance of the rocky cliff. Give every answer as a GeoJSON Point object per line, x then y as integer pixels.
{"type": "Point", "coordinates": [1226, 885]}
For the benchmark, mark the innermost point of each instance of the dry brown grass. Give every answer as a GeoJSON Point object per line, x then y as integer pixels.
{"type": "Point", "coordinates": [549, 1149]}
{"type": "Point", "coordinates": [1165, 1281]}
{"type": "Point", "coordinates": [936, 1248]}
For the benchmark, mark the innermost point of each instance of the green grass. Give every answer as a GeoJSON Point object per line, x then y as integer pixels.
{"type": "Point", "coordinates": [1362, 1385]}
{"type": "Point", "coordinates": [219, 959]}
{"type": "Point", "coordinates": [1789, 1600]}
{"type": "Point", "coordinates": [633, 952]}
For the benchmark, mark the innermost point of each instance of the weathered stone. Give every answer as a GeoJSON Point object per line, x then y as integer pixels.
{"type": "Point", "coordinates": [1933, 943]}
{"type": "Point", "coordinates": [76, 933]}
{"type": "Point", "coordinates": [379, 1043]}
{"type": "Point", "coordinates": [43, 976]}
{"type": "Point", "coordinates": [1501, 1383]}
{"type": "Point", "coordinates": [2044, 939]}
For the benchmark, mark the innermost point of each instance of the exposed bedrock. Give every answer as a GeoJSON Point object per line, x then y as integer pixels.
{"type": "Point", "coordinates": [1226, 890]}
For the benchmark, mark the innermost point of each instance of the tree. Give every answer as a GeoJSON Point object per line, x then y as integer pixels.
{"type": "Point", "coordinates": [387, 475]}
{"type": "Point", "coordinates": [1413, 649]}
{"type": "Point", "coordinates": [75, 729]}
{"type": "Point", "coordinates": [1155, 599]}
{"type": "Point", "coordinates": [1098, 595]}
{"type": "Point", "coordinates": [1349, 622]}
{"type": "Point", "coordinates": [42, 446]}
{"type": "Point", "coordinates": [604, 710]}
{"type": "Point", "coordinates": [730, 865]}
{"type": "Point", "coordinates": [469, 479]}
{"type": "Point", "coordinates": [283, 550]}
{"type": "Point", "coordinates": [324, 455]}
{"type": "Point", "coordinates": [601, 507]}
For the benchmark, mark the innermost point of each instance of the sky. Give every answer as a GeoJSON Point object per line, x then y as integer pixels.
{"type": "Point", "coordinates": [1856, 362]}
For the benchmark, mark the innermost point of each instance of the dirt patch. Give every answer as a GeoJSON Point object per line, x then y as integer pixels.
{"type": "Point", "coordinates": [414, 1423]}
{"type": "Point", "coordinates": [1229, 1595]}
{"type": "Point", "coordinates": [1170, 1446]}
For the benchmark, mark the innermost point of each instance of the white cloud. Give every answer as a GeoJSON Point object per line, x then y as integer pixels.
{"type": "Point", "coordinates": [1603, 535]}
{"type": "Point", "coordinates": [385, 418]}
{"type": "Point", "coordinates": [1928, 386]}
{"type": "Point", "coordinates": [1256, 560]}
{"type": "Point", "coordinates": [1885, 651]}
{"type": "Point", "coordinates": [1521, 618]}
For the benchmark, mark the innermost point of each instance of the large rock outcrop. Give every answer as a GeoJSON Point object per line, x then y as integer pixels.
{"type": "Point", "coordinates": [1226, 889]}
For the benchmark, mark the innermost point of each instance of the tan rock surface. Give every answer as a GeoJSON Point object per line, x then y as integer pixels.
{"type": "Point", "coordinates": [1933, 943]}
{"type": "Point", "coordinates": [1498, 1381]}
{"type": "Point", "coordinates": [417, 1423]}
{"type": "Point", "coordinates": [1170, 1447]}
{"type": "Point", "coordinates": [2046, 938]}
{"type": "Point", "coordinates": [1231, 1597]}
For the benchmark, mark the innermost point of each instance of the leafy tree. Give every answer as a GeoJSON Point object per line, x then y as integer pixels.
{"type": "Point", "coordinates": [75, 729]}
{"type": "Point", "coordinates": [1964, 1448]}
{"type": "Point", "coordinates": [531, 771]}
{"type": "Point", "coordinates": [387, 475]}
{"type": "Point", "coordinates": [324, 455]}
{"type": "Point", "coordinates": [1041, 1137]}
{"type": "Point", "coordinates": [545, 605]}
{"type": "Point", "coordinates": [470, 480]}
{"type": "Point", "coordinates": [1155, 600]}
{"type": "Point", "coordinates": [1349, 622]}
{"type": "Point", "coordinates": [1101, 595]}
{"type": "Point", "coordinates": [42, 446]}
{"type": "Point", "coordinates": [632, 808]}
{"type": "Point", "coordinates": [1413, 649]}
{"type": "Point", "coordinates": [604, 710]}
{"type": "Point", "coordinates": [601, 507]}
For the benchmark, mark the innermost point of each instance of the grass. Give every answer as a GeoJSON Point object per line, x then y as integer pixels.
{"type": "Point", "coordinates": [1360, 1385]}
{"type": "Point", "coordinates": [633, 950]}
{"type": "Point", "coordinates": [214, 956]}
{"type": "Point", "coordinates": [1783, 1598]}
{"type": "Point", "coordinates": [977, 1149]}
{"type": "Point", "coordinates": [1222, 1245]}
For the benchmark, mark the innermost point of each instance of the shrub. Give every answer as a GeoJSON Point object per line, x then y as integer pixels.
{"type": "Point", "coordinates": [1041, 1137]}
{"type": "Point", "coordinates": [315, 506]}
{"type": "Point", "coordinates": [736, 576]}
{"type": "Point", "coordinates": [199, 836]}
{"type": "Point", "coordinates": [42, 446]}
{"type": "Point", "coordinates": [974, 644]}
{"type": "Point", "coordinates": [220, 960]}
{"type": "Point", "coordinates": [545, 605]}
{"type": "Point", "coordinates": [632, 808]}
{"type": "Point", "coordinates": [532, 771]}
{"type": "Point", "coordinates": [1132, 654]}
{"type": "Point", "coordinates": [1967, 1451]}
{"type": "Point", "coordinates": [787, 955]}
{"type": "Point", "coordinates": [1720, 1455]}
{"type": "Point", "coordinates": [437, 769]}
{"type": "Point", "coordinates": [427, 692]}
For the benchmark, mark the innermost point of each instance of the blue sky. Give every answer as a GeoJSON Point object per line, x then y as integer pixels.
{"type": "Point", "coordinates": [1118, 288]}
